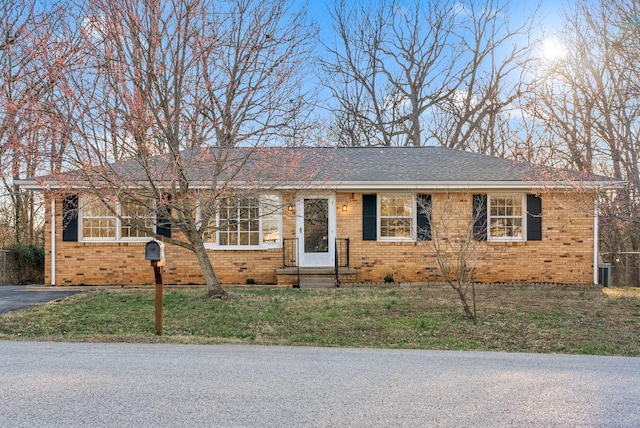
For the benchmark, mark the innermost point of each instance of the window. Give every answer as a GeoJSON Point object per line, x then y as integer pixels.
{"type": "Point", "coordinates": [506, 217]}
{"type": "Point", "coordinates": [238, 222]}
{"type": "Point", "coordinates": [100, 223]}
{"type": "Point", "coordinates": [242, 221]}
{"type": "Point", "coordinates": [97, 221]}
{"type": "Point", "coordinates": [270, 219]}
{"type": "Point", "coordinates": [396, 216]}
{"type": "Point", "coordinates": [133, 212]}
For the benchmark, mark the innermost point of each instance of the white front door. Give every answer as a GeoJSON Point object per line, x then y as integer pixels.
{"type": "Point", "coordinates": [316, 230]}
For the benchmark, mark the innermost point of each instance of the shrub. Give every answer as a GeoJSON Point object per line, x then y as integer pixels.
{"type": "Point", "coordinates": [26, 263]}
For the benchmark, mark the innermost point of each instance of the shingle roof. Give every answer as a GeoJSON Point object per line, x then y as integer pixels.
{"type": "Point", "coordinates": [353, 167]}
{"type": "Point", "coordinates": [425, 164]}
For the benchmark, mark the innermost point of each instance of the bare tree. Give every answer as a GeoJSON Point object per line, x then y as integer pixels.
{"type": "Point", "coordinates": [456, 233]}
{"type": "Point", "coordinates": [175, 100]}
{"type": "Point", "coordinates": [587, 101]}
{"type": "Point", "coordinates": [32, 54]}
{"type": "Point", "coordinates": [405, 74]}
{"type": "Point", "coordinates": [482, 114]}
{"type": "Point", "coordinates": [391, 64]}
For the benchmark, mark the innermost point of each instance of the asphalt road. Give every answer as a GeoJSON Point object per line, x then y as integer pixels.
{"type": "Point", "coordinates": [145, 385]}
{"type": "Point", "coordinates": [14, 297]}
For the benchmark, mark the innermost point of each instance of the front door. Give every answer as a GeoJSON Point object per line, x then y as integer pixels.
{"type": "Point", "coordinates": [316, 229]}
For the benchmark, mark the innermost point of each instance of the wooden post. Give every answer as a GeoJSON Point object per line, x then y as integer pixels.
{"type": "Point", "coordinates": [157, 269]}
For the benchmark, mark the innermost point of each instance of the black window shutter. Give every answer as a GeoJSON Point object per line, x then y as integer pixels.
{"type": "Point", "coordinates": [369, 217]}
{"type": "Point", "coordinates": [424, 217]}
{"type": "Point", "coordinates": [70, 218]}
{"type": "Point", "coordinates": [534, 218]}
{"type": "Point", "coordinates": [163, 225]}
{"type": "Point", "coordinates": [480, 217]}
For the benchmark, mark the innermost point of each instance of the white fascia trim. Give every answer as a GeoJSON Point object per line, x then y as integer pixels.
{"type": "Point", "coordinates": [45, 186]}
{"type": "Point", "coordinates": [370, 185]}
{"type": "Point", "coordinates": [29, 184]}
{"type": "Point", "coordinates": [477, 185]}
{"type": "Point", "coordinates": [426, 185]}
{"type": "Point", "coordinates": [442, 185]}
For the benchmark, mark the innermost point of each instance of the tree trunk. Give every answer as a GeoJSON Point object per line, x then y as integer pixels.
{"type": "Point", "coordinates": [460, 288]}
{"type": "Point", "coordinates": [214, 289]}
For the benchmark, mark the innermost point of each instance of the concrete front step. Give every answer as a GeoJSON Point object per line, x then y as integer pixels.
{"type": "Point", "coordinates": [314, 277]}
{"type": "Point", "coordinates": [317, 282]}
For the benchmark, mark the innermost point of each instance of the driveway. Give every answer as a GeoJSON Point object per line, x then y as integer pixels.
{"type": "Point", "coordinates": [160, 385]}
{"type": "Point", "coordinates": [14, 297]}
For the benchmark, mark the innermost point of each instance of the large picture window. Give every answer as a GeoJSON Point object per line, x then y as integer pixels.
{"type": "Point", "coordinates": [506, 217]}
{"type": "Point", "coordinates": [245, 221]}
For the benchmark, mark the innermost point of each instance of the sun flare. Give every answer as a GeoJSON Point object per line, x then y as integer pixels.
{"type": "Point", "coordinates": [553, 49]}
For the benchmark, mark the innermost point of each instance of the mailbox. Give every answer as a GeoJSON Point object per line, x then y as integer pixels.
{"type": "Point", "coordinates": [154, 251]}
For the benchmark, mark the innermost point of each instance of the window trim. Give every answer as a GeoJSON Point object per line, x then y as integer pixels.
{"type": "Point", "coordinates": [523, 217]}
{"type": "Point", "coordinates": [262, 245]}
{"type": "Point", "coordinates": [414, 218]}
{"type": "Point", "coordinates": [118, 224]}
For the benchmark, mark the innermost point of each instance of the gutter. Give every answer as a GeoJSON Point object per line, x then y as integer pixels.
{"type": "Point", "coordinates": [30, 184]}
{"type": "Point", "coordinates": [33, 184]}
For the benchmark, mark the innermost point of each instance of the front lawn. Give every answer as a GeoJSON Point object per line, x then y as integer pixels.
{"type": "Point", "coordinates": [512, 318]}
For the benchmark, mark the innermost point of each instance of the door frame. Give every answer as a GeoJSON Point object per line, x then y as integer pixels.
{"type": "Point", "coordinates": [316, 259]}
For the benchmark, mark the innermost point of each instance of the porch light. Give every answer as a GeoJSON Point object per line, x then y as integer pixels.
{"type": "Point", "coordinates": [344, 207]}
{"type": "Point", "coordinates": [290, 207]}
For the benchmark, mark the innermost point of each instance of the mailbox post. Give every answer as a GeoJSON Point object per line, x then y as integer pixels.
{"type": "Point", "coordinates": [154, 251]}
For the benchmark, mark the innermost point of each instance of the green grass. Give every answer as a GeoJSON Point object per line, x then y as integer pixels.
{"type": "Point", "coordinates": [526, 318]}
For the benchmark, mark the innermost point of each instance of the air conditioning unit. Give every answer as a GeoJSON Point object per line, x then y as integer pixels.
{"type": "Point", "coordinates": [604, 274]}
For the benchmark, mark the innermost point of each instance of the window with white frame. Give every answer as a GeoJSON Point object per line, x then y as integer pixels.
{"type": "Point", "coordinates": [101, 223]}
{"type": "Point", "coordinates": [238, 222]}
{"type": "Point", "coordinates": [270, 219]}
{"type": "Point", "coordinates": [506, 217]}
{"type": "Point", "coordinates": [244, 221]}
{"type": "Point", "coordinates": [98, 222]}
{"type": "Point", "coordinates": [136, 215]}
{"type": "Point", "coordinates": [396, 218]}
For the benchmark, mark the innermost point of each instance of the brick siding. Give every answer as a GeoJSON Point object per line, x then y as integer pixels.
{"type": "Point", "coordinates": [564, 255]}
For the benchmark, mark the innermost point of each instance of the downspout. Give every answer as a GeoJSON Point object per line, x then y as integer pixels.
{"type": "Point", "coordinates": [596, 233]}
{"type": "Point", "coordinates": [53, 240]}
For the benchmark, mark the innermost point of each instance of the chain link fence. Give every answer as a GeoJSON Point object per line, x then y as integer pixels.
{"type": "Point", "coordinates": [16, 272]}
{"type": "Point", "coordinates": [3, 266]}
{"type": "Point", "coordinates": [624, 268]}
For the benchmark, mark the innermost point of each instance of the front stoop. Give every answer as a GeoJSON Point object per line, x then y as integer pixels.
{"type": "Point", "coordinates": [317, 282]}
{"type": "Point", "coordinates": [314, 277]}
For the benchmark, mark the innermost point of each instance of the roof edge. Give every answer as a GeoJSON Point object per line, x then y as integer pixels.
{"type": "Point", "coordinates": [32, 184]}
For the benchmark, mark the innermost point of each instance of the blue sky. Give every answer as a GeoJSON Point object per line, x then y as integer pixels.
{"type": "Point", "coordinates": [550, 12]}
{"type": "Point", "coordinates": [549, 18]}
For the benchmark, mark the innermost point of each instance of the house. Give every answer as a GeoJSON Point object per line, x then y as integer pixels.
{"type": "Point", "coordinates": [365, 212]}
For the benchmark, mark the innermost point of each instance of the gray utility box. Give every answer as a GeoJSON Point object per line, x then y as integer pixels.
{"type": "Point", "coordinates": [604, 274]}
{"type": "Point", "coordinates": [154, 251]}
